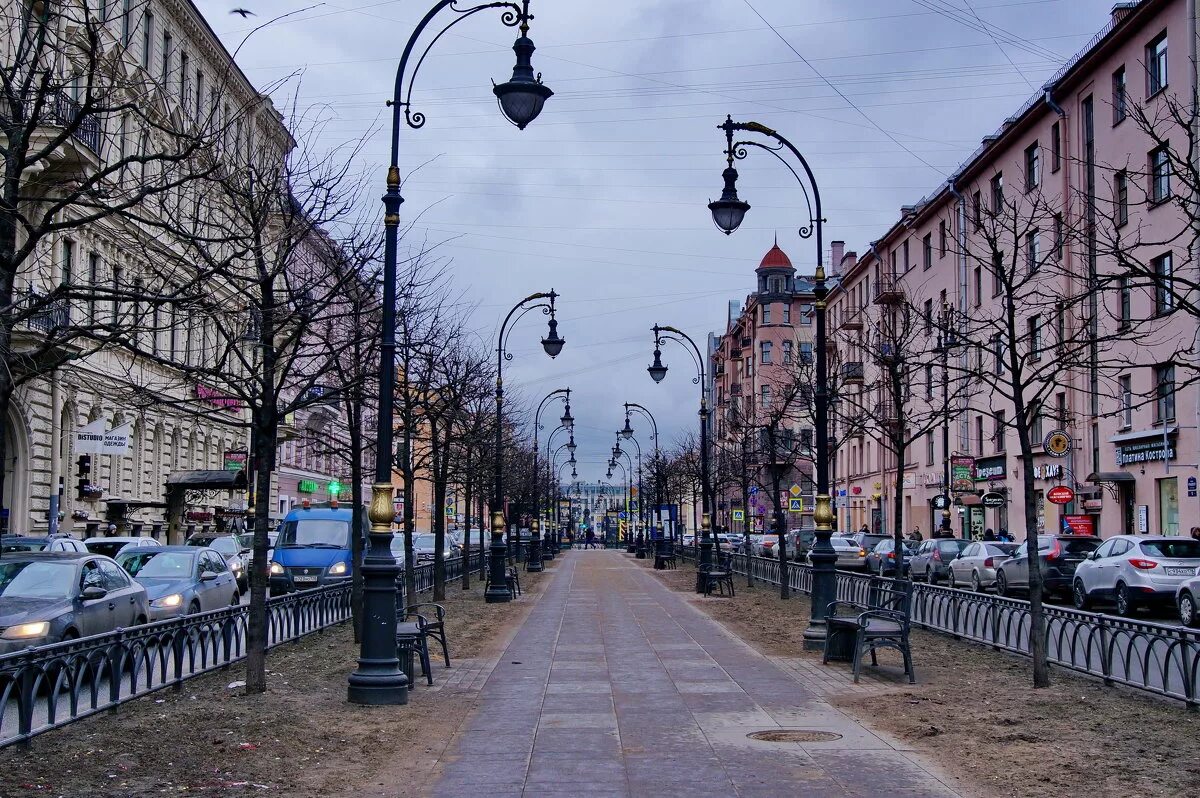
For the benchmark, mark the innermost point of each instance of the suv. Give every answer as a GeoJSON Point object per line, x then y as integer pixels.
{"type": "Point", "coordinates": [15, 543]}
{"type": "Point", "coordinates": [931, 560]}
{"type": "Point", "coordinates": [866, 541]}
{"type": "Point", "coordinates": [1059, 555]}
{"type": "Point", "coordinates": [1130, 570]}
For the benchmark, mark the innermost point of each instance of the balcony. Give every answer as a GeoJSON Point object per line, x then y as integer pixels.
{"type": "Point", "coordinates": [852, 319]}
{"type": "Point", "coordinates": [735, 389]}
{"type": "Point", "coordinates": [60, 110]}
{"type": "Point", "coordinates": [57, 111]}
{"type": "Point", "coordinates": [885, 415]}
{"type": "Point", "coordinates": [853, 372]}
{"type": "Point", "coordinates": [888, 290]}
{"type": "Point", "coordinates": [43, 325]}
{"type": "Point", "coordinates": [887, 353]}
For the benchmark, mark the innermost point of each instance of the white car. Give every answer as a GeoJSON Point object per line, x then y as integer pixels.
{"type": "Point", "coordinates": [1135, 570]}
{"type": "Point", "coordinates": [1187, 601]}
{"type": "Point", "coordinates": [111, 547]}
{"type": "Point", "coordinates": [976, 564]}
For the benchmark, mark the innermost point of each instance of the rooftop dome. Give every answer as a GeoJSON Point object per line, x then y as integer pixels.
{"type": "Point", "coordinates": [775, 258]}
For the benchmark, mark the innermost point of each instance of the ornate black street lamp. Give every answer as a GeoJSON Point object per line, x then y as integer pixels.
{"type": "Point", "coordinates": [378, 678]}
{"type": "Point", "coordinates": [497, 590]}
{"type": "Point", "coordinates": [535, 540]}
{"type": "Point", "coordinates": [946, 342]}
{"type": "Point", "coordinates": [728, 213]}
{"type": "Point", "coordinates": [658, 371]}
{"type": "Point", "coordinates": [660, 544]}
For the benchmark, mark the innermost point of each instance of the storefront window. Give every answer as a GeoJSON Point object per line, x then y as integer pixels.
{"type": "Point", "coordinates": [1168, 505]}
{"type": "Point", "coordinates": [1039, 502]}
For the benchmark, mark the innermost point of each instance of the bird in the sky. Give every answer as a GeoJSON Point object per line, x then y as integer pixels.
{"type": "Point", "coordinates": [243, 12]}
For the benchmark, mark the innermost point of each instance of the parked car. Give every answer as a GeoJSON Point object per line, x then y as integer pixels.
{"type": "Point", "coordinates": [49, 597]}
{"type": "Point", "coordinates": [314, 548]}
{"type": "Point", "coordinates": [765, 545]}
{"type": "Point", "coordinates": [881, 560]}
{"type": "Point", "coordinates": [181, 580]}
{"type": "Point", "coordinates": [14, 543]}
{"type": "Point", "coordinates": [868, 540]}
{"type": "Point", "coordinates": [111, 547]}
{"type": "Point", "coordinates": [1187, 600]}
{"type": "Point", "coordinates": [799, 541]}
{"type": "Point", "coordinates": [1135, 570]}
{"type": "Point", "coordinates": [850, 556]}
{"type": "Point", "coordinates": [931, 559]}
{"type": "Point", "coordinates": [976, 564]}
{"type": "Point", "coordinates": [236, 550]}
{"type": "Point", "coordinates": [1058, 555]}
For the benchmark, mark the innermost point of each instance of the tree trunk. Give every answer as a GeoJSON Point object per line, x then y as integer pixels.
{"type": "Point", "coordinates": [438, 463]}
{"type": "Point", "coordinates": [356, 502]}
{"type": "Point", "coordinates": [468, 484]}
{"type": "Point", "coordinates": [1037, 616]}
{"type": "Point", "coordinates": [785, 589]}
{"type": "Point", "coordinates": [898, 515]}
{"type": "Point", "coordinates": [266, 429]}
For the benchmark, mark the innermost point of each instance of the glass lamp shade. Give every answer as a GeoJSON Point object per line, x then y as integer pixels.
{"type": "Point", "coordinates": [627, 432]}
{"type": "Point", "coordinates": [609, 474]}
{"type": "Point", "coordinates": [574, 474]}
{"type": "Point", "coordinates": [728, 214]}
{"type": "Point", "coordinates": [522, 98]}
{"type": "Point", "coordinates": [657, 370]}
{"type": "Point", "coordinates": [567, 420]}
{"type": "Point", "coordinates": [552, 343]}
{"type": "Point", "coordinates": [571, 447]}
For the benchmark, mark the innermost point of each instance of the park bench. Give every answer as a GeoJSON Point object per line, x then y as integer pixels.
{"type": "Point", "coordinates": [413, 632]}
{"type": "Point", "coordinates": [666, 558]}
{"type": "Point", "coordinates": [882, 620]}
{"type": "Point", "coordinates": [718, 575]}
{"type": "Point", "coordinates": [512, 580]}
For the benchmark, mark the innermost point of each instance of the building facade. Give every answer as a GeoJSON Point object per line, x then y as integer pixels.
{"type": "Point", "coordinates": [1053, 216]}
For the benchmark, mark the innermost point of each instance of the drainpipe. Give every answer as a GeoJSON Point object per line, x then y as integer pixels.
{"type": "Point", "coordinates": [56, 440]}
{"type": "Point", "coordinates": [960, 236]}
{"type": "Point", "coordinates": [1195, 85]}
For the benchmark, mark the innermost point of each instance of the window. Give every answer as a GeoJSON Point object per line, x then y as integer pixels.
{"type": "Point", "coordinates": [1121, 198]}
{"type": "Point", "coordinates": [806, 352]}
{"type": "Point", "coordinates": [928, 448]}
{"type": "Point", "coordinates": [977, 209]}
{"type": "Point", "coordinates": [1126, 301]}
{"type": "Point", "coordinates": [1160, 175]}
{"type": "Point", "coordinates": [942, 238]}
{"type": "Point", "coordinates": [787, 353]}
{"type": "Point", "coordinates": [927, 251]}
{"type": "Point", "coordinates": [766, 314]}
{"type": "Point", "coordinates": [998, 430]}
{"type": "Point", "coordinates": [927, 316]}
{"type": "Point", "coordinates": [1126, 386]}
{"type": "Point", "coordinates": [93, 283]}
{"type": "Point", "coordinates": [979, 434]}
{"type": "Point", "coordinates": [1033, 255]}
{"type": "Point", "coordinates": [1033, 168]}
{"type": "Point", "coordinates": [997, 271]}
{"type": "Point", "coordinates": [978, 286]}
{"type": "Point", "coordinates": [998, 351]}
{"type": "Point", "coordinates": [1156, 65]}
{"type": "Point", "coordinates": [907, 264]}
{"type": "Point", "coordinates": [126, 29]}
{"type": "Point", "coordinates": [929, 381]}
{"type": "Point", "coordinates": [1164, 287]}
{"type": "Point", "coordinates": [765, 348]}
{"type": "Point", "coordinates": [1035, 337]}
{"type": "Point", "coordinates": [1164, 394]}
{"type": "Point", "coordinates": [1060, 323]}
{"type": "Point", "coordinates": [1055, 147]}
{"type": "Point", "coordinates": [998, 193]}
{"type": "Point", "coordinates": [185, 81]}
{"type": "Point", "coordinates": [199, 93]}
{"type": "Point", "coordinates": [167, 55]}
{"type": "Point", "coordinates": [766, 396]}
{"type": "Point", "coordinates": [1058, 235]}
{"type": "Point", "coordinates": [1060, 409]}
{"type": "Point", "coordinates": [147, 38]}
{"type": "Point", "coordinates": [806, 314]}
{"type": "Point", "coordinates": [68, 262]}
{"type": "Point", "coordinates": [787, 312]}
{"type": "Point", "coordinates": [116, 287]}
{"type": "Point", "coordinates": [806, 439]}
{"type": "Point", "coordinates": [136, 307]}
{"type": "Point", "coordinates": [1118, 95]}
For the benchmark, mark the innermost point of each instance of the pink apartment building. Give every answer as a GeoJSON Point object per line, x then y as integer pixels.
{"type": "Point", "coordinates": [1084, 182]}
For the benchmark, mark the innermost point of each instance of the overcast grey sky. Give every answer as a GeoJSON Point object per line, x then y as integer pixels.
{"type": "Point", "coordinates": [603, 197]}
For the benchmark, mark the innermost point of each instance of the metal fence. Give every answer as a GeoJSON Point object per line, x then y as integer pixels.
{"type": "Point", "coordinates": [1156, 657]}
{"type": "Point", "coordinates": [45, 687]}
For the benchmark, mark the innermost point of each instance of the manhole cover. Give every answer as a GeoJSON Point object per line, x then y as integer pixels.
{"type": "Point", "coordinates": [794, 736]}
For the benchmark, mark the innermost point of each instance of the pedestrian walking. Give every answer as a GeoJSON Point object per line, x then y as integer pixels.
{"type": "Point", "coordinates": [1005, 536]}
{"type": "Point", "coordinates": [915, 536]}
{"type": "Point", "coordinates": [590, 541]}
{"type": "Point", "coordinates": [1195, 533]}
{"type": "Point", "coordinates": [865, 530]}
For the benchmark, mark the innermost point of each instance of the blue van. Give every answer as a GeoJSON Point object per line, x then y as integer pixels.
{"type": "Point", "coordinates": [312, 549]}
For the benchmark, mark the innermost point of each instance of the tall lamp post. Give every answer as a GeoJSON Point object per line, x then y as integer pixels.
{"type": "Point", "coordinates": [639, 547]}
{"type": "Point", "coordinates": [728, 213]}
{"type": "Point", "coordinates": [535, 539]}
{"type": "Point", "coordinates": [497, 590]}
{"type": "Point", "coordinates": [567, 422]}
{"type": "Point", "coordinates": [658, 370]}
{"type": "Point", "coordinates": [615, 463]}
{"type": "Point", "coordinates": [627, 432]}
{"type": "Point", "coordinates": [945, 343]}
{"type": "Point", "coordinates": [552, 511]}
{"type": "Point", "coordinates": [378, 679]}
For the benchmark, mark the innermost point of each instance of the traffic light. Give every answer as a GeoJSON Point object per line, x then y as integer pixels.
{"type": "Point", "coordinates": [335, 488]}
{"type": "Point", "coordinates": [83, 472]}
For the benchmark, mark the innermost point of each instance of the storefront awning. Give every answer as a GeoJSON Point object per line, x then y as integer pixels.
{"type": "Point", "coordinates": [209, 480]}
{"type": "Point", "coordinates": [1110, 476]}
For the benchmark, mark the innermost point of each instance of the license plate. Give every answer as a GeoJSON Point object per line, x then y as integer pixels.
{"type": "Point", "coordinates": [1180, 571]}
{"type": "Point", "coordinates": [305, 579]}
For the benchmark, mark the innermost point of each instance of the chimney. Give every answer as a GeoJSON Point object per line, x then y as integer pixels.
{"type": "Point", "coordinates": [836, 248]}
{"type": "Point", "coordinates": [1121, 10]}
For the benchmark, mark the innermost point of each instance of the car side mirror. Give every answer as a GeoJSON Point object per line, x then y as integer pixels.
{"type": "Point", "coordinates": [93, 593]}
{"type": "Point", "coordinates": [208, 576]}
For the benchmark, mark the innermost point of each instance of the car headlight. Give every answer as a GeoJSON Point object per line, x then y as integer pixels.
{"type": "Point", "coordinates": [168, 602]}
{"type": "Point", "coordinates": [235, 563]}
{"type": "Point", "coordinates": [276, 569]}
{"type": "Point", "coordinates": [337, 569]}
{"type": "Point", "coordinates": [24, 631]}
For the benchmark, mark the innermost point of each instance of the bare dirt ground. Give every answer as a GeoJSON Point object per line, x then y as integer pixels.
{"type": "Point", "coordinates": [975, 713]}
{"type": "Point", "coordinates": [300, 740]}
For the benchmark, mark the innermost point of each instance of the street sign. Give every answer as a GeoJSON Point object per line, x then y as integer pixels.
{"type": "Point", "coordinates": [1191, 486]}
{"type": "Point", "coordinates": [1057, 444]}
{"type": "Point", "coordinates": [795, 505]}
{"type": "Point", "coordinates": [962, 472]}
{"type": "Point", "coordinates": [992, 499]}
{"type": "Point", "coordinates": [753, 491]}
{"type": "Point", "coordinates": [794, 490]}
{"type": "Point", "coordinates": [1060, 494]}
{"type": "Point", "coordinates": [739, 515]}
{"type": "Point", "coordinates": [621, 515]}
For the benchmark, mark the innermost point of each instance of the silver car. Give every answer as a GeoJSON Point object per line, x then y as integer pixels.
{"type": "Point", "coordinates": [1135, 570]}
{"type": "Point", "coordinates": [1187, 601]}
{"type": "Point", "coordinates": [976, 564]}
{"type": "Point", "coordinates": [850, 556]}
{"type": "Point", "coordinates": [181, 580]}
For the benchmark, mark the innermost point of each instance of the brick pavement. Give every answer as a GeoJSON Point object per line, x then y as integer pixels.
{"type": "Point", "coordinates": [617, 686]}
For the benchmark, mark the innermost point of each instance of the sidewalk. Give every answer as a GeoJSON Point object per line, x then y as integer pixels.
{"type": "Point", "coordinates": [617, 686]}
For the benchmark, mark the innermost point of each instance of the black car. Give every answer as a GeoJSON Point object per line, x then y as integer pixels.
{"type": "Point", "coordinates": [882, 559]}
{"type": "Point", "coordinates": [1058, 556]}
{"type": "Point", "coordinates": [48, 597]}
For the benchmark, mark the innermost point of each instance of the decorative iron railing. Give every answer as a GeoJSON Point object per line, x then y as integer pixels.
{"type": "Point", "coordinates": [1156, 657]}
{"type": "Point", "coordinates": [45, 687]}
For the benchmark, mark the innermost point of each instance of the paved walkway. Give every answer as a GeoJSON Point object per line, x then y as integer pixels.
{"type": "Point", "coordinates": [616, 686]}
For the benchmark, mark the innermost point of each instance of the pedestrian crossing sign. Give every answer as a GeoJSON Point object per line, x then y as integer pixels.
{"type": "Point", "coordinates": [796, 505]}
{"type": "Point", "coordinates": [739, 515]}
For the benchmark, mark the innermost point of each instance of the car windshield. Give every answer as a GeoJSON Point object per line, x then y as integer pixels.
{"type": "Point", "coordinates": [1183, 548]}
{"type": "Point", "coordinates": [162, 564]}
{"type": "Point", "coordinates": [423, 541]}
{"type": "Point", "coordinates": [26, 544]}
{"type": "Point", "coordinates": [1084, 546]}
{"type": "Point", "coordinates": [952, 546]}
{"type": "Point", "coordinates": [226, 544]}
{"type": "Point", "coordinates": [108, 548]}
{"type": "Point", "coordinates": [315, 533]}
{"type": "Point", "coordinates": [43, 580]}
{"type": "Point", "coordinates": [870, 541]}
{"type": "Point", "coordinates": [1002, 548]}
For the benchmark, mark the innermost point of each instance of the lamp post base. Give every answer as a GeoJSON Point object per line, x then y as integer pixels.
{"type": "Point", "coordinates": [706, 558]}
{"type": "Point", "coordinates": [497, 589]}
{"type": "Point", "coordinates": [533, 562]}
{"type": "Point", "coordinates": [381, 689]}
{"type": "Point", "coordinates": [814, 636]}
